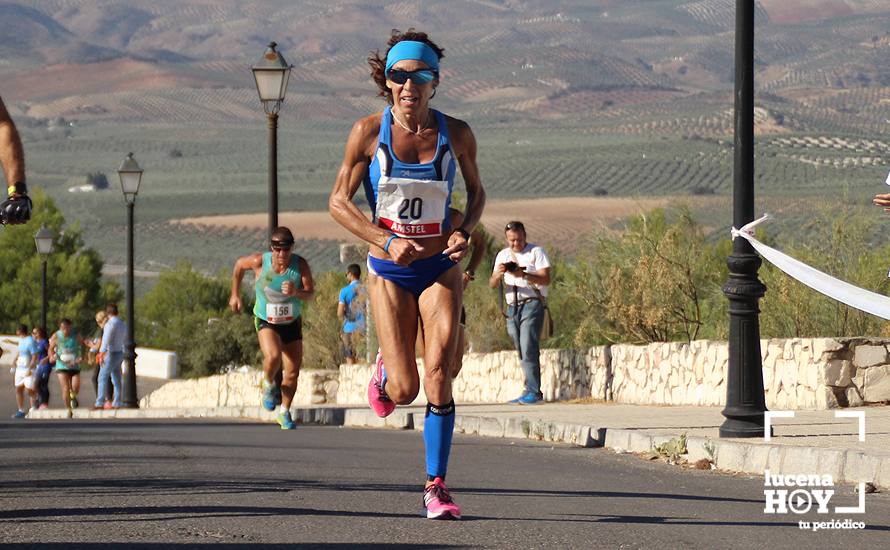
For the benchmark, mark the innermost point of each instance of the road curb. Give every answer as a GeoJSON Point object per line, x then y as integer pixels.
{"type": "Point", "coordinates": [752, 457]}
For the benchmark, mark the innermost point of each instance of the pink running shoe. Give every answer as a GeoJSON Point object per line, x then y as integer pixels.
{"type": "Point", "coordinates": [438, 503]}
{"type": "Point", "coordinates": [377, 399]}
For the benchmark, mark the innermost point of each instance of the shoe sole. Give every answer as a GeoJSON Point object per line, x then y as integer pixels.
{"type": "Point", "coordinates": [443, 516]}
{"type": "Point", "coordinates": [384, 407]}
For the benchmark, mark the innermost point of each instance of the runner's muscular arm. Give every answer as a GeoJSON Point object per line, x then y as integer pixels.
{"type": "Point", "coordinates": [253, 262]}
{"type": "Point", "coordinates": [359, 150]}
{"type": "Point", "coordinates": [12, 155]}
{"type": "Point", "coordinates": [463, 143]}
{"type": "Point", "coordinates": [51, 349]}
{"type": "Point", "coordinates": [477, 241]}
{"type": "Point", "coordinates": [308, 290]}
{"type": "Point", "coordinates": [78, 337]}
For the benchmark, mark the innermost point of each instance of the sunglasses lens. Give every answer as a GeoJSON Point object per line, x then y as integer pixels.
{"type": "Point", "coordinates": [421, 76]}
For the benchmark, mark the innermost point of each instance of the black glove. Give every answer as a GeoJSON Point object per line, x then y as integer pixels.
{"type": "Point", "coordinates": [17, 207]}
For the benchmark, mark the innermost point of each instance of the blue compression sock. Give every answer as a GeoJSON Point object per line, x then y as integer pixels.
{"type": "Point", "coordinates": [438, 428]}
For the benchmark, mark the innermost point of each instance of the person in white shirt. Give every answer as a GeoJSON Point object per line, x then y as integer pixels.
{"type": "Point", "coordinates": [524, 268]}
{"type": "Point", "coordinates": [114, 337]}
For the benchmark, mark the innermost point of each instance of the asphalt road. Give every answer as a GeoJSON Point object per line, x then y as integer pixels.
{"type": "Point", "coordinates": [103, 484]}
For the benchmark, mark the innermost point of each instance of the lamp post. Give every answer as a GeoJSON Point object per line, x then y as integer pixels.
{"type": "Point", "coordinates": [131, 177]}
{"type": "Point", "coordinates": [272, 74]}
{"type": "Point", "coordinates": [44, 239]}
{"type": "Point", "coordinates": [745, 403]}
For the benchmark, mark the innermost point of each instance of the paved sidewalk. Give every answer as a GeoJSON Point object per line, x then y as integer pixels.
{"type": "Point", "coordinates": [812, 442]}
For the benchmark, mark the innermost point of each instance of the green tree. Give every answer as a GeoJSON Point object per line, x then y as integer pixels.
{"type": "Point", "coordinates": [188, 312]}
{"type": "Point", "coordinates": [75, 288]}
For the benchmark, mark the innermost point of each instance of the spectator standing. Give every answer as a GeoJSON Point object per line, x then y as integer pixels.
{"type": "Point", "coordinates": [97, 359]}
{"type": "Point", "coordinates": [44, 368]}
{"type": "Point", "coordinates": [351, 308]}
{"type": "Point", "coordinates": [25, 364]}
{"type": "Point", "coordinates": [65, 347]}
{"type": "Point", "coordinates": [525, 271]}
{"type": "Point", "coordinates": [114, 336]}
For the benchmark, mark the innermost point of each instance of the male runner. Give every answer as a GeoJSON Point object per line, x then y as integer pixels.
{"type": "Point", "coordinates": [282, 280]}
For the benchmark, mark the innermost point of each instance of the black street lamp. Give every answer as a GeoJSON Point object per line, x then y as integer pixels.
{"type": "Point", "coordinates": [745, 403]}
{"type": "Point", "coordinates": [131, 177]}
{"type": "Point", "coordinates": [44, 239]}
{"type": "Point", "coordinates": [272, 74]}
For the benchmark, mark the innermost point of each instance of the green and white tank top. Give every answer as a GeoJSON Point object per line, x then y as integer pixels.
{"type": "Point", "coordinates": [66, 349]}
{"type": "Point", "coordinates": [271, 305]}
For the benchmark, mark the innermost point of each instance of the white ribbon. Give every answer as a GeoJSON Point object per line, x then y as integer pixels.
{"type": "Point", "coordinates": [854, 296]}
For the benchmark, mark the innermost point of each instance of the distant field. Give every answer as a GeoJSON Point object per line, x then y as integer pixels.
{"type": "Point", "coordinates": [583, 110]}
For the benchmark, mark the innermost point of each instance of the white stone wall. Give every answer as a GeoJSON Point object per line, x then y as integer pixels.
{"type": "Point", "coordinates": [238, 389]}
{"type": "Point", "coordinates": [798, 373]}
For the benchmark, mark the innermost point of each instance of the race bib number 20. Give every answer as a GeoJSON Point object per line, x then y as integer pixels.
{"type": "Point", "coordinates": [412, 208]}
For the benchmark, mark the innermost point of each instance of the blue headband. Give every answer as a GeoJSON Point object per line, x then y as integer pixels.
{"type": "Point", "coordinates": [408, 49]}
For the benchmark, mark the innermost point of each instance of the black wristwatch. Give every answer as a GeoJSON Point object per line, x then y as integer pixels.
{"type": "Point", "coordinates": [471, 274]}
{"type": "Point", "coordinates": [463, 232]}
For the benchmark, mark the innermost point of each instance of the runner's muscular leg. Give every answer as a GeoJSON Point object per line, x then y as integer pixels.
{"type": "Point", "coordinates": [291, 361]}
{"type": "Point", "coordinates": [395, 313]}
{"type": "Point", "coordinates": [270, 345]}
{"type": "Point", "coordinates": [65, 382]}
{"type": "Point", "coordinates": [440, 313]}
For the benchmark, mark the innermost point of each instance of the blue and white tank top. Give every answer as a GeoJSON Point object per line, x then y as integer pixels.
{"type": "Point", "coordinates": [411, 200]}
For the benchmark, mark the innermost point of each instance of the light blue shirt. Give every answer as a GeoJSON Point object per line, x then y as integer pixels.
{"type": "Point", "coordinates": [114, 335]}
{"type": "Point", "coordinates": [27, 348]}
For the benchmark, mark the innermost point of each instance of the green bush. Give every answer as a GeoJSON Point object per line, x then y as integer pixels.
{"type": "Point", "coordinates": [226, 341]}
{"type": "Point", "coordinates": [658, 282]}
{"type": "Point", "coordinates": [837, 242]}
{"type": "Point", "coordinates": [174, 315]}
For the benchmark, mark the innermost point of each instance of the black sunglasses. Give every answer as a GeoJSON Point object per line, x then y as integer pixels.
{"type": "Point", "coordinates": [420, 76]}
{"type": "Point", "coordinates": [515, 226]}
{"type": "Point", "coordinates": [282, 245]}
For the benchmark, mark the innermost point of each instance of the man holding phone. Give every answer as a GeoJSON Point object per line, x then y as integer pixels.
{"type": "Point", "coordinates": [525, 271]}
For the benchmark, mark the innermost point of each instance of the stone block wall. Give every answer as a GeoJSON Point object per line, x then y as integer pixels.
{"type": "Point", "coordinates": [798, 373]}
{"type": "Point", "coordinates": [239, 389]}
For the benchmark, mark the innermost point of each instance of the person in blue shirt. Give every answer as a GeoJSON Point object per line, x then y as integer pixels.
{"type": "Point", "coordinates": [350, 308]}
{"type": "Point", "coordinates": [43, 370]}
{"type": "Point", "coordinates": [405, 158]}
{"type": "Point", "coordinates": [283, 279]}
{"type": "Point", "coordinates": [114, 341]}
{"type": "Point", "coordinates": [25, 364]}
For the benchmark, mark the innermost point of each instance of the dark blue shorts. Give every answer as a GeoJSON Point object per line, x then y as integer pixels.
{"type": "Point", "coordinates": [417, 277]}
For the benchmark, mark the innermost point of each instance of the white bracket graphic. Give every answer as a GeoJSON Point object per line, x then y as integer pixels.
{"type": "Point", "coordinates": [767, 420]}
{"type": "Point", "coordinates": [850, 509]}
{"type": "Point", "coordinates": [854, 414]}
{"type": "Point", "coordinates": [769, 415]}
